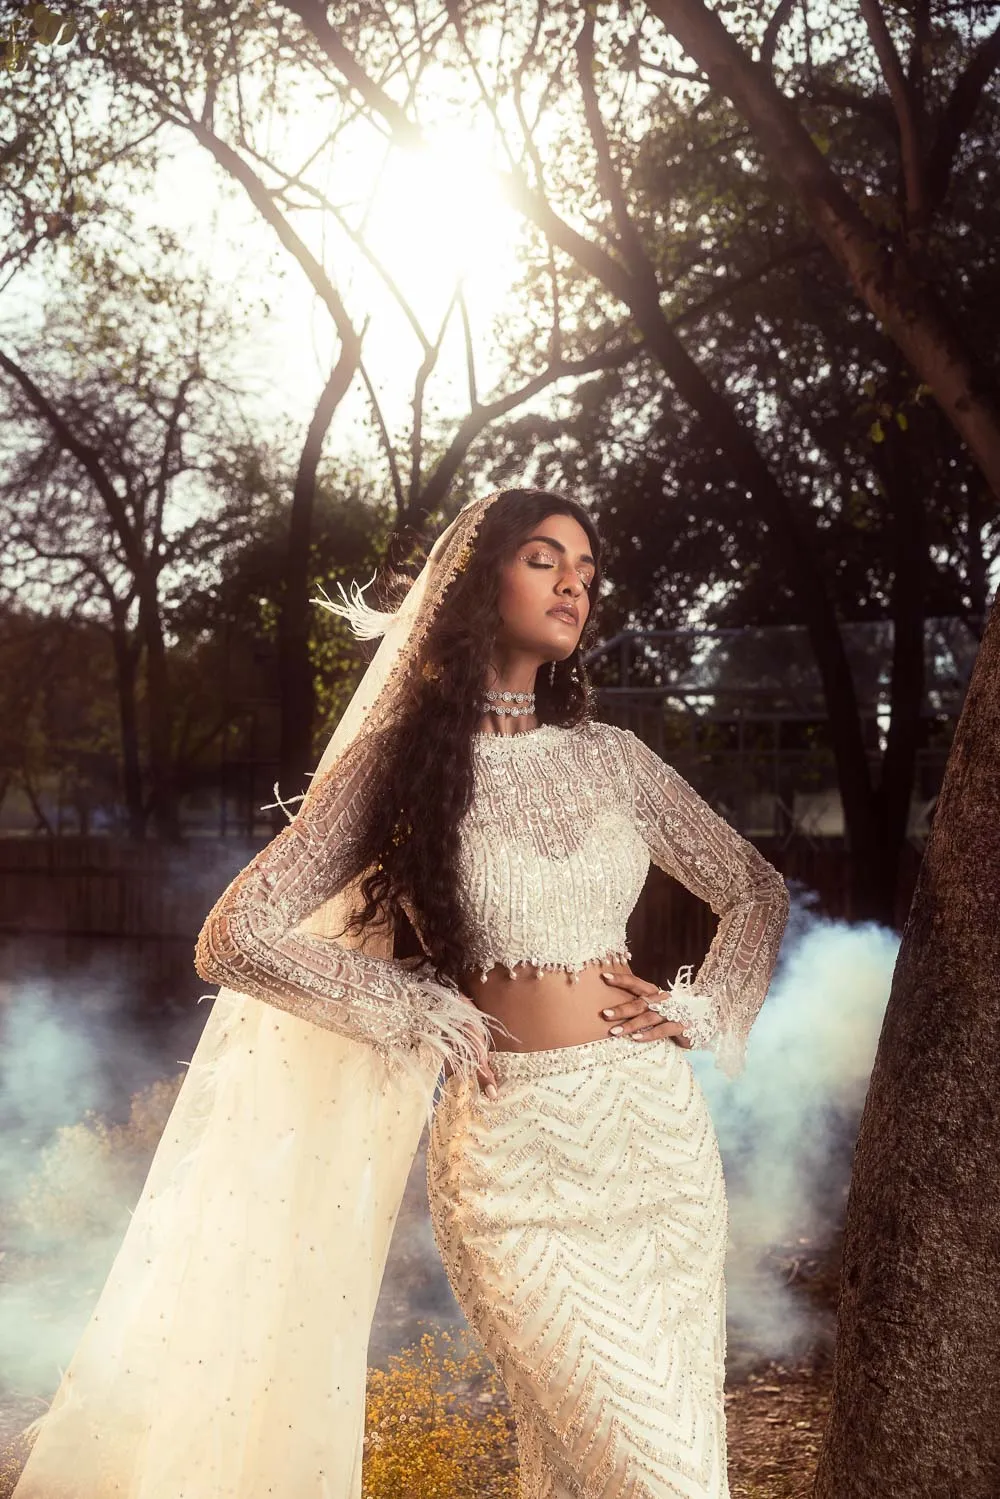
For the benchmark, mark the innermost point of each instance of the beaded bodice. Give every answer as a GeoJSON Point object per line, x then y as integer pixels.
{"type": "Point", "coordinates": [553, 853]}
{"type": "Point", "coordinates": [552, 858]}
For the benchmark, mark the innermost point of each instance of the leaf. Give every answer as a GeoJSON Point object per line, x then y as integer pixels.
{"type": "Point", "coordinates": [69, 31]}
{"type": "Point", "coordinates": [901, 421]}
{"type": "Point", "coordinates": [876, 432]}
{"type": "Point", "coordinates": [821, 142]}
{"type": "Point", "coordinates": [46, 24]}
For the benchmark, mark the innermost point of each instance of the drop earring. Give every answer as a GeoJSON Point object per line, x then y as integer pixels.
{"type": "Point", "coordinates": [552, 673]}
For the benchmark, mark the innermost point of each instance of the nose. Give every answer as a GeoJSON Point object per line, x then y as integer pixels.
{"type": "Point", "coordinates": [571, 583]}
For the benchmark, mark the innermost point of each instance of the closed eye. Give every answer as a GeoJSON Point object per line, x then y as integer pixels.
{"type": "Point", "coordinates": [586, 581]}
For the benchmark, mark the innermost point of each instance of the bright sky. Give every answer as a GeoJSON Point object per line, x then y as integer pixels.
{"type": "Point", "coordinates": [431, 216]}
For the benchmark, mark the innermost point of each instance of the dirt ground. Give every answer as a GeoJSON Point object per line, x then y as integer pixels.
{"type": "Point", "coordinates": [776, 1411]}
{"type": "Point", "coordinates": [775, 1421]}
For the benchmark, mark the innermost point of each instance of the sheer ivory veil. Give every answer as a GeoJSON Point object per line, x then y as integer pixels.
{"type": "Point", "coordinates": [227, 1355]}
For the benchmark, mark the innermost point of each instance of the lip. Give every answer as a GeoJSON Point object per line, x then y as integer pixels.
{"type": "Point", "coordinates": [566, 612]}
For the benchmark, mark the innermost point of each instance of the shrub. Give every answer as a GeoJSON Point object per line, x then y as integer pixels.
{"type": "Point", "coordinates": [438, 1425]}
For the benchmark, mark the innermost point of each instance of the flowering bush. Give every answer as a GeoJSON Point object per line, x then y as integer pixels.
{"type": "Point", "coordinates": [438, 1425]}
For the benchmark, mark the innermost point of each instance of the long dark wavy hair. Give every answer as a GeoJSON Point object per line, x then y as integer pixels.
{"type": "Point", "coordinates": [409, 845]}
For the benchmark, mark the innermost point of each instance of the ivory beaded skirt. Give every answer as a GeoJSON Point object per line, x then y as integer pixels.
{"type": "Point", "coordinates": [582, 1220]}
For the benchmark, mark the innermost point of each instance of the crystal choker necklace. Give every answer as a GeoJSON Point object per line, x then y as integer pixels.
{"type": "Point", "coordinates": [514, 704]}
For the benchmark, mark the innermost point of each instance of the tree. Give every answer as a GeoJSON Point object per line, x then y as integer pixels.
{"type": "Point", "coordinates": [113, 418]}
{"type": "Point", "coordinates": [57, 717]}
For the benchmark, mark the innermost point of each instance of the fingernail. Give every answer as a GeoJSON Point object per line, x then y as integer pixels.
{"type": "Point", "coordinates": [609, 1013]}
{"type": "Point", "coordinates": [491, 1092]}
{"type": "Point", "coordinates": [615, 1030]}
{"type": "Point", "coordinates": [606, 975]}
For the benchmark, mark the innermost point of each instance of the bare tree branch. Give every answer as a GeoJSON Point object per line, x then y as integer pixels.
{"type": "Point", "coordinates": [470, 353]}
{"type": "Point", "coordinates": [437, 486]}
{"type": "Point", "coordinates": [313, 14]}
{"type": "Point", "coordinates": [906, 105]}
{"type": "Point", "coordinates": [890, 284]}
{"type": "Point", "coordinates": [395, 477]}
{"type": "Point", "coordinates": [772, 31]}
{"type": "Point", "coordinates": [958, 115]}
{"type": "Point", "coordinates": [263, 200]}
{"type": "Point", "coordinates": [607, 174]}
{"type": "Point", "coordinates": [86, 455]}
{"type": "Point", "coordinates": [424, 372]}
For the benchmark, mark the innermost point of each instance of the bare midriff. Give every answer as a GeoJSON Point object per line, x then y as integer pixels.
{"type": "Point", "coordinates": [546, 1009]}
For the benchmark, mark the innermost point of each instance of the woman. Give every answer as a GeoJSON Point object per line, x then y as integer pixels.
{"type": "Point", "coordinates": [578, 1202]}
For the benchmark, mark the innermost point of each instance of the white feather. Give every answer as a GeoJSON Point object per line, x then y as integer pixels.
{"type": "Point", "coordinates": [366, 623]}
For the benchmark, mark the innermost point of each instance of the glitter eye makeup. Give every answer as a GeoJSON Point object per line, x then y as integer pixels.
{"type": "Point", "coordinates": [547, 560]}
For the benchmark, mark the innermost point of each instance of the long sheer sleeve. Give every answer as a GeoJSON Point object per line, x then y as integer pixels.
{"type": "Point", "coordinates": [691, 842]}
{"type": "Point", "coordinates": [249, 942]}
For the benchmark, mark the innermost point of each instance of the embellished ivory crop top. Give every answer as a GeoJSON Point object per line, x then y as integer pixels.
{"type": "Point", "coordinates": [554, 852]}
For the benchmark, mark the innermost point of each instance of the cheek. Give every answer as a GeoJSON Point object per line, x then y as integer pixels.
{"type": "Point", "coordinates": [518, 593]}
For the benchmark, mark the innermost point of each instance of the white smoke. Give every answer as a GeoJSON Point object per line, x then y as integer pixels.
{"type": "Point", "coordinates": [65, 1190]}
{"type": "Point", "coordinates": [787, 1127]}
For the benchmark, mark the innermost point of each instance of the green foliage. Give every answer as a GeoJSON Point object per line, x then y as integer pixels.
{"type": "Point", "coordinates": [41, 26]}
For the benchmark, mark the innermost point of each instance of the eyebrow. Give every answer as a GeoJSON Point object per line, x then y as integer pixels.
{"type": "Point", "coordinates": [584, 556]}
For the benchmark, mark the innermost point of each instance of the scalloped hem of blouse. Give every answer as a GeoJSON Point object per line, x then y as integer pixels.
{"type": "Point", "coordinates": [620, 955]}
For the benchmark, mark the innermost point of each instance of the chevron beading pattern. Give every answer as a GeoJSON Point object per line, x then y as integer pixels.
{"type": "Point", "coordinates": [582, 1220]}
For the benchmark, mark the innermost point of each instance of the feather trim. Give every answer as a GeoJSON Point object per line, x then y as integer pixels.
{"type": "Point", "coordinates": [365, 622]}
{"type": "Point", "coordinates": [696, 1012]}
{"type": "Point", "coordinates": [446, 1027]}
{"type": "Point", "coordinates": [284, 805]}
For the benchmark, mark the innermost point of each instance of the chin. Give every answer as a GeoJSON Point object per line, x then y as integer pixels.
{"type": "Point", "coordinates": [561, 653]}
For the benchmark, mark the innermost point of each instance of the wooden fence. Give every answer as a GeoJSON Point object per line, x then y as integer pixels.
{"type": "Point", "coordinates": [103, 888]}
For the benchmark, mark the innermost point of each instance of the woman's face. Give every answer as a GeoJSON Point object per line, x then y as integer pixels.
{"type": "Point", "coordinates": [544, 597]}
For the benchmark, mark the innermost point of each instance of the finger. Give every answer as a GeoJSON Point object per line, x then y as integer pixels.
{"type": "Point", "coordinates": [648, 1024]}
{"type": "Point", "coordinates": [625, 1009]}
{"type": "Point", "coordinates": [487, 1081]}
{"type": "Point", "coordinates": [629, 981]}
{"type": "Point", "coordinates": [671, 1029]}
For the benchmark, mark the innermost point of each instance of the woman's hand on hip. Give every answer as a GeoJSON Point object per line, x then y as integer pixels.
{"type": "Point", "coordinates": [632, 1017]}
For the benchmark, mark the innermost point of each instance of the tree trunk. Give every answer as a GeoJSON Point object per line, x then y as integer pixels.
{"type": "Point", "coordinates": [916, 1407]}
{"type": "Point", "coordinates": [128, 720]}
{"type": "Point", "coordinates": [159, 714]}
